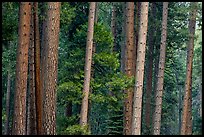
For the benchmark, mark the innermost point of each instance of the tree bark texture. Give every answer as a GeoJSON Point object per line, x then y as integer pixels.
{"type": "Point", "coordinates": [160, 78]}
{"type": "Point", "coordinates": [187, 95]}
{"type": "Point", "coordinates": [129, 58]}
{"type": "Point", "coordinates": [31, 117]}
{"type": "Point", "coordinates": [150, 66]}
{"type": "Point", "coordinates": [38, 94]}
{"type": "Point", "coordinates": [50, 72]}
{"type": "Point", "coordinates": [87, 68]}
{"type": "Point", "coordinates": [19, 119]}
{"type": "Point", "coordinates": [137, 100]}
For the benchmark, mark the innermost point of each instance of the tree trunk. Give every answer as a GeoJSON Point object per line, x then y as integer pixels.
{"type": "Point", "coordinates": [38, 93]}
{"type": "Point", "coordinates": [31, 117]}
{"type": "Point", "coordinates": [113, 25]}
{"type": "Point", "coordinates": [87, 68]}
{"type": "Point", "coordinates": [187, 96]}
{"type": "Point", "coordinates": [189, 116]}
{"type": "Point", "coordinates": [160, 79]}
{"type": "Point", "coordinates": [137, 17]}
{"type": "Point", "coordinates": [51, 63]}
{"type": "Point", "coordinates": [150, 66]}
{"type": "Point", "coordinates": [122, 67]}
{"type": "Point", "coordinates": [19, 119]}
{"type": "Point", "coordinates": [92, 64]}
{"type": "Point", "coordinates": [129, 58]}
{"type": "Point", "coordinates": [137, 100]}
{"type": "Point", "coordinates": [8, 102]}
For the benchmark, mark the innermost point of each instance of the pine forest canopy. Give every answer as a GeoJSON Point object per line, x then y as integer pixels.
{"type": "Point", "coordinates": [101, 68]}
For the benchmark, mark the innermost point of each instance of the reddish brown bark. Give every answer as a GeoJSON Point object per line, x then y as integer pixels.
{"type": "Point", "coordinates": [186, 126]}
{"type": "Point", "coordinates": [38, 93]}
{"type": "Point", "coordinates": [19, 119]}
{"type": "Point", "coordinates": [51, 65]}
{"type": "Point", "coordinates": [129, 58]}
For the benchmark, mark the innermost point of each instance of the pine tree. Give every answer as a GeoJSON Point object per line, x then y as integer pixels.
{"type": "Point", "coordinates": [87, 68]}
{"type": "Point", "coordinates": [19, 119]}
{"type": "Point", "coordinates": [51, 65]}
{"type": "Point", "coordinates": [129, 58]}
{"type": "Point", "coordinates": [38, 94]}
{"type": "Point", "coordinates": [160, 79]}
{"type": "Point", "coordinates": [186, 126]}
{"type": "Point", "coordinates": [137, 99]}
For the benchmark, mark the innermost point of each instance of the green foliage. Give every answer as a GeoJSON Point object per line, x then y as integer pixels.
{"type": "Point", "coordinates": [76, 130]}
{"type": "Point", "coordinates": [9, 21]}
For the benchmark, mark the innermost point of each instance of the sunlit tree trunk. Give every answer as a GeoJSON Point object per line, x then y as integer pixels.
{"type": "Point", "coordinates": [19, 119]}
{"type": "Point", "coordinates": [137, 100]}
{"type": "Point", "coordinates": [87, 68]}
{"type": "Point", "coordinates": [51, 65]}
{"type": "Point", "coordinates": [129, 58]}
{"type": "Point", "coordinates": [186, 114]}
{"type": "Point", "coordinates": [160, 79]}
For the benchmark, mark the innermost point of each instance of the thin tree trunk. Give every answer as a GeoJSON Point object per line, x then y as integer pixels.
{"type": "Point", "coordinates": [92, 64]}
{"type": "Point", "coordinates": [51, 64]}
{"type": "Point", "coordinates": [187, 96]}
{"type": "Point", "coordinates": [123, 39]}
{"type": "Point", "coordinates": [87, 68]}
{"type": "Point", "coordinates": [160, 81]}
{"type": "Point", "coordinates": [129, 58]}
{"type": "Point", "coordinates": [31, 119]}
{"type": "Point", "coordinates": [8, 102]}
{"type": "Point", "coordinates": [189, 116]}
{"type": "Point", "coordinates": [38, 94]}
{"type": "Point", "coordinates": [150, 67]}
{"type": "Point", "coordinates": [19, 119]}
{"type": "Point", "coordinates": [113, 25]}
{"type": "Point", "coordinates": [137, 17]}
{"type": "Point", "coordinates": [137, 100]}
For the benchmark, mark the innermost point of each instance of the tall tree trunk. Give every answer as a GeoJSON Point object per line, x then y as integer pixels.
{"type": "Point", "coordinates": [160, 79]}
{"type": "Point", "coordinates": [38, 94]}
{"type": "Point", "coordinates": [187, 97]}
{"type": "Point", "coordinates": [92, 65]}
{"type": "Point", "coordinates": [113, 25]}
{"type": "Point", "coordinates": [137, 100]}
{"type": "Point", "coordinates": [137, 17]}
{"type": "Point", "coordinates": [51, 63]}
{"type": "Point", "coordinates": [19, 119]}
{"type": "Point", "coordinates": [122, 58]}
{"type": "Point", "coordinates": [87, 68]}
{"type": "Point", "coordinates": [8, 102]}
{"type": "Point", "coordinates": [129, 58]}
{"type": "Point", "coordinates": [31, 117]}
{"type": "Point", "coordinates": [149, 67]}
{"type": "Point", "coordinates": [189, 116]}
